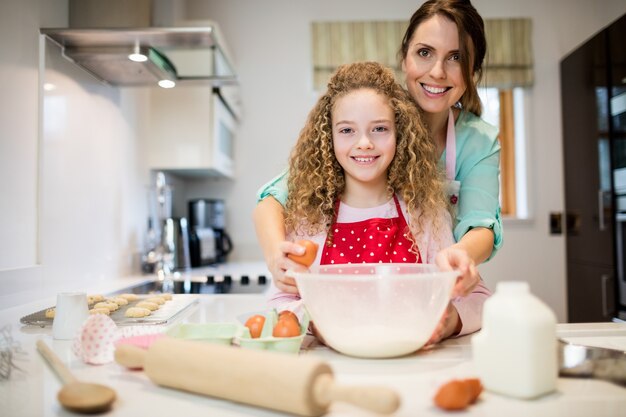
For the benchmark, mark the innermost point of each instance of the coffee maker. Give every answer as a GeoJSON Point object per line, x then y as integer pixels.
{"type": "Point", "coordinates": [208, 241]}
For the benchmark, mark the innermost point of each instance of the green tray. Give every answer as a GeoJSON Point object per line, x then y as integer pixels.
{"type": "Point", "coordinates": [268, 342]}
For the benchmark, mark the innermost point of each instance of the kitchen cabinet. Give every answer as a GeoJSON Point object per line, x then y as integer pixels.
{"type": "Point", "coordinates": [191, 132]}
{"type": "Point", "coordinates": [617, 127]}
{"type": "Point", "coordinates": [590, 298]}
{"type": "Point", "coordinates": [589, 147]}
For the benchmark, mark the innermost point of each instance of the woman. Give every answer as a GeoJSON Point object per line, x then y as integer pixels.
{"type": "Point", "coordinates": [442, 54]}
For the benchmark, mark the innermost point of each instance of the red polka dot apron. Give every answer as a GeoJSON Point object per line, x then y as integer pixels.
{"type": "Point", "coordinates": [374, 240]}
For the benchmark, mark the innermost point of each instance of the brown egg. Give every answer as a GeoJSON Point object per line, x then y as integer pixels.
{"type": "Point", "coordinates": [286, 328]}
{"type": "Point", "coordinates": [453, 395]}
{"type": "Point", "coordinates": [288, 315]}
{"type": "Point", "coordinates": [308, 257]}
{"type": "Point", "coordinates": [255, 325]}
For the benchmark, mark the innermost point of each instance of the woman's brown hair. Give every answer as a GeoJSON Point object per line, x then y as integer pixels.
{"type": "Point", "coordinates": [316, 179]}
{"type": "Point", "coordinates": [472, 42]}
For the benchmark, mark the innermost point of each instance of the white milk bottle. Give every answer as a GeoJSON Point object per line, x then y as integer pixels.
{"type": "Point", "coordinates": [515, 353]}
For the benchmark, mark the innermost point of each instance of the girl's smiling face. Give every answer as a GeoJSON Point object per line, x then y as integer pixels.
{"type": "Point", "coordinates": [432, 65]}
{"type": "Point", "coordinates": [364, 136]}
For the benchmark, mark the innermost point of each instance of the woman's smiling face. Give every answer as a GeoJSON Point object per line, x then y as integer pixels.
{"type": "Point", "coordinates": [432, 65]}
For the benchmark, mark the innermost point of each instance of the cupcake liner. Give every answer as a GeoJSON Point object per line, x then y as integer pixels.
{"type": "Point", "coordinates": [98, 336]}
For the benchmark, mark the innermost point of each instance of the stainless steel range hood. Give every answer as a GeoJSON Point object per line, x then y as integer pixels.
{"type": "Point", "coordinates": [181, 54]}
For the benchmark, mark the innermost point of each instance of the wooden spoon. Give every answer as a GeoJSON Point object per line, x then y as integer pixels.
{"type": "Point", "coordinates": [80, 397]}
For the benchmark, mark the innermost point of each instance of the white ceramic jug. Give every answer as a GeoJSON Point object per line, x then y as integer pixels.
{"type": "Point", "coordinates": [515, 353]}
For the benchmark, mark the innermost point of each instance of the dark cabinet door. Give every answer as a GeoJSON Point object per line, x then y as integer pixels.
{"type": "Point", "coordinates": [617, 127]}
{"type": "Point", "coordinates": [590, 293]}
{"type": "Point", "coordinates": [587, 155]}
{"type": "Point", "coordinates": [588, 169]}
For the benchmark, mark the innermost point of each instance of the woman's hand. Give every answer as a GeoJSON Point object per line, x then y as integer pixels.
{"type": "Point", "coordinates": [280, 263]}
{"type": "Point", "coordinates": [454, 258]}
{"type": "Point", "coordinates": [449, 325]}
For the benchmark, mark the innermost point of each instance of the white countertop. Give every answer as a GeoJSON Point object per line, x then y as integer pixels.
{"type": "Point", "coordinates": [32, 391]}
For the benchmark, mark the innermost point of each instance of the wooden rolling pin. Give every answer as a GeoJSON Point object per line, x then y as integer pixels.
{"type": "Point", "coordinates": [295, 384]}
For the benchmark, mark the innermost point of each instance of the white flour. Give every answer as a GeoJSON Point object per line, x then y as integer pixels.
{"type": "Point", "coordinates": [376, 341]}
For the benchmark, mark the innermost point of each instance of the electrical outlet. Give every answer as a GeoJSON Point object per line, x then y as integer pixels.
{"type": "Point", "coordinates": [556, 223]}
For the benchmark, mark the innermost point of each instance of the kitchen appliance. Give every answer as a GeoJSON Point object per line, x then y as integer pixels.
{"type": "Point", "coordinates": [593, 101]}
{"type": "Point", "coordinates": [104, 53]}
{"type": "Point", "coordinates": [619, 187]}
{"type": "Point", "coordinates": [143, 42]}
{"type": "Point", "coordinates": [113, 65]}
{"type": "Point", "coordinates": [175, 243]}
{"type": "Point", "coordinates": [159, 209]}
{"type": "Point", "coordinates": [193, 130]}
{"type": "Point", "coordinates": [202, 246]}
{"type": "Point", "coordinates": [301, 385]}
{"type": "Point", "coordinates": [209, 241]}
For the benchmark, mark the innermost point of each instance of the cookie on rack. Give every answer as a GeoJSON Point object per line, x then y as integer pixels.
{"type": "Point", "coordinates": [147, 304]}
{"type": "Point", "coordinates": [94, 298]}
{"type": "Point", "coordinates": [100, 310]}
{"type": "Point", "coordinates": [137, 312]}
{"type": "Point", "coordinates": [50, 313]}
{"type": "Point", "coordinates": [105, 304]}
{"type": "Point", "coordinates": [166, 296]}
{"type": "Point", "coordinates": [120, 301]}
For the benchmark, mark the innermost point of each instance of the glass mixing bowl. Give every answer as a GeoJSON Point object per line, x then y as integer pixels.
{"type": "Point", "coordinates": [375, 310]}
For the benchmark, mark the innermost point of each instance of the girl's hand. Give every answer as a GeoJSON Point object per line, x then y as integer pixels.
{"type": "Point", "coordinates": [449, 325]}
{"type": "Point", "coordinates": [280, 263]}
{"type": "Point", "coordinates": [458, 259]}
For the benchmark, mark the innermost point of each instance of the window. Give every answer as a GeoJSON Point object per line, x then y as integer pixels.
{"type": "Point", "coordinates": [504, 108]}
{"type": "Point", "coordinates": [508, 70]}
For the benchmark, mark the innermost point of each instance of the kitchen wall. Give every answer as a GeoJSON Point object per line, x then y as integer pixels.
{"type": "Point", "coordinates": [72, 203]}
{"type": "Point", "coordinates": [72, 206]}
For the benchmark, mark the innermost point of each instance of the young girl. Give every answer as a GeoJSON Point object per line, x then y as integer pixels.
{"type": "Point", "coordinates": [364, 183]}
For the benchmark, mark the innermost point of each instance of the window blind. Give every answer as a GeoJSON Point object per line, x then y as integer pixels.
{"type": "Point", "coordinates": [509, 60]}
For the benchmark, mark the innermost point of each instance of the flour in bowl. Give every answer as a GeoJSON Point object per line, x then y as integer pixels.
{"type": "Point", "coordinates": [374, 341]}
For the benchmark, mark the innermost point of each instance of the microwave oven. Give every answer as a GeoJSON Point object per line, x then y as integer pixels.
{"type": "Point", "coordinates": [192, 131]}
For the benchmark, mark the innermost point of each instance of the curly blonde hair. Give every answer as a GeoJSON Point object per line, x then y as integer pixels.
{"type": "Point", "coordinates": [316, 179]}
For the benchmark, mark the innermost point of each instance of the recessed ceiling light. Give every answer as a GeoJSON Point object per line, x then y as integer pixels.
{"type": "Point", "coordinates": [167, 84]}
{"type": "Point", "coordinates": [49, 86]}
{"type": "Point", "coordinates": [138, 57]}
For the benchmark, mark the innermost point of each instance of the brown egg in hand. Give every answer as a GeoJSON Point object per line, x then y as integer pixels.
{"type": "Point", "coordinates": [308, 257]}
